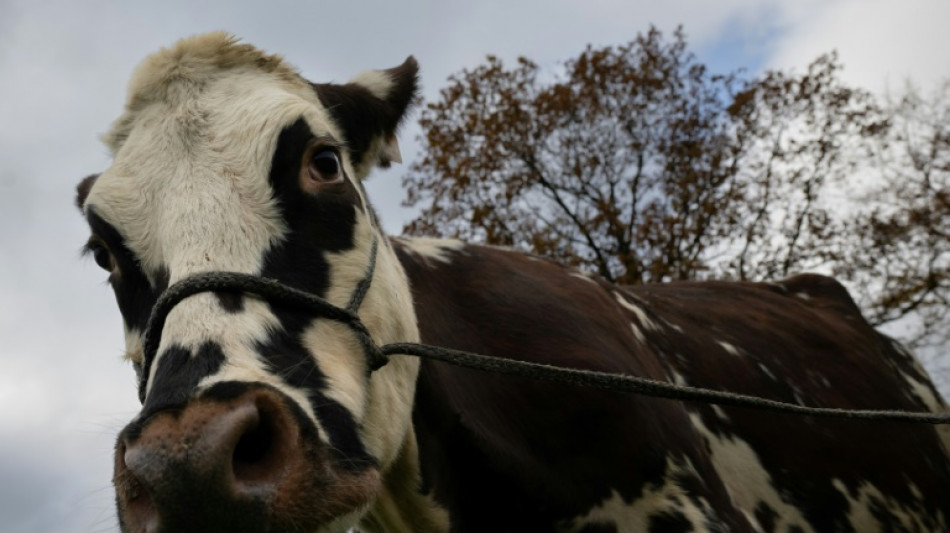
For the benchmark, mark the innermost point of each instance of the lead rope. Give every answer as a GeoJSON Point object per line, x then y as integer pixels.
{"type": "Point", "coordinates": [273, 292]}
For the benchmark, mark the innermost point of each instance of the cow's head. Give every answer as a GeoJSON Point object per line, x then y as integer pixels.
{"type": "Point", "coordinates": [255, 416]}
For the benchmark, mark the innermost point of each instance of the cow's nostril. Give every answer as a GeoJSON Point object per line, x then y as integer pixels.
{"type": "Point", "coordinates": [253, 446]}
{"type": "Point", "coordinates": [256, 456]}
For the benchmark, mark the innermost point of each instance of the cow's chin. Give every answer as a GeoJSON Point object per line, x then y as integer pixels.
{"type": "Point", "coordinates": [243, 464]}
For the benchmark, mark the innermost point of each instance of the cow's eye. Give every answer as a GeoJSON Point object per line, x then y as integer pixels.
{"type": "Point", "coordinates": [325, 166]}
{"type": "Point", "coordinates": [102, 257]}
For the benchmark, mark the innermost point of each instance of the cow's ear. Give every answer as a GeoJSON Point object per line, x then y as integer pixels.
{"type": "Point", "coordinates": [369, 110]}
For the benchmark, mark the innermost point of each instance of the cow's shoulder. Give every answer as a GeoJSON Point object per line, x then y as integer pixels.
{"type": "Point", "coordinates": [493, 286]}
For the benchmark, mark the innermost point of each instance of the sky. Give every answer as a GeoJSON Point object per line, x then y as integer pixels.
{"type": "Point", "coordinates": [64, 65]}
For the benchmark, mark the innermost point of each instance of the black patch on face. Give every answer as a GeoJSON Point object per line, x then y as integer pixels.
{"type": "Point", "coordinates": [359, 112]}
{"type": "Point", "coordinates": [178, 374]}
{"type": "Point", "coordinates": [231, 302]}
{"type": "Point", "coordinates": [224, 391]}
{"type": "Point", "coordinates": [669, 522]}
{"type": "Point", "coordinates": [134, 293]}
{"type": "Point", "coordinates": [318, 223]}
{"type": "Point", "coordinates": [286, 357]}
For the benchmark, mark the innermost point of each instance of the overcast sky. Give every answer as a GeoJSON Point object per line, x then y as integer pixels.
{"type": "Point", "coordinates": [64, 392]}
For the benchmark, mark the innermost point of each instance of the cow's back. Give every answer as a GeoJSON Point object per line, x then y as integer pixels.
{"type": "Point", "coordinates": [581, 459]}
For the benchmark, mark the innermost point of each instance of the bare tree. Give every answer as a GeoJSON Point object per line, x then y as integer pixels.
{"type": "Point", "coordinates": [900, 264]}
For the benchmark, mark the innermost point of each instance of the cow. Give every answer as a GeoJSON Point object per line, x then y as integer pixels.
{"type": "Point", "coordinates": [258, 416]}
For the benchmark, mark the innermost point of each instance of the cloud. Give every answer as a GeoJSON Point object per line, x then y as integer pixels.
{"type": "Point", "coordinates": [881, 43]}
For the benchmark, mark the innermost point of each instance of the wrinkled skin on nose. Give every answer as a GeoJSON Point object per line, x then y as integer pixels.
{"type": "Point", "coordinates": [244, 459]}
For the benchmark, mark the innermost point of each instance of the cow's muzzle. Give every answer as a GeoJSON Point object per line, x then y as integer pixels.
{"type": "Point", "coordinates": [237, 464]}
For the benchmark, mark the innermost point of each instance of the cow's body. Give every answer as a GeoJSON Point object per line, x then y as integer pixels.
{"type": "Point", "coordinates": [557, 455]}
{"type": "Point", "coordinates": [259, 416]}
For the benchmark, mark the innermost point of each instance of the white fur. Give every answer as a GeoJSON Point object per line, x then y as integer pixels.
{"type": "Point", "coordinates": [586, 276]}
{"type": "Point", "coordinates": [866, 496]}
{"type": "Point", "coordinates": [376, 82]}
{"type": "Point", "coordinates": [432, 249]}
{"type": "Point", "coordinates": [638, 333]}
{"type": "Point", "coordinates": [729, 348]}
{"type": "Point", "coordinates": [641, 315]}
{"type": "Point", "coordinates": [133, 345]}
